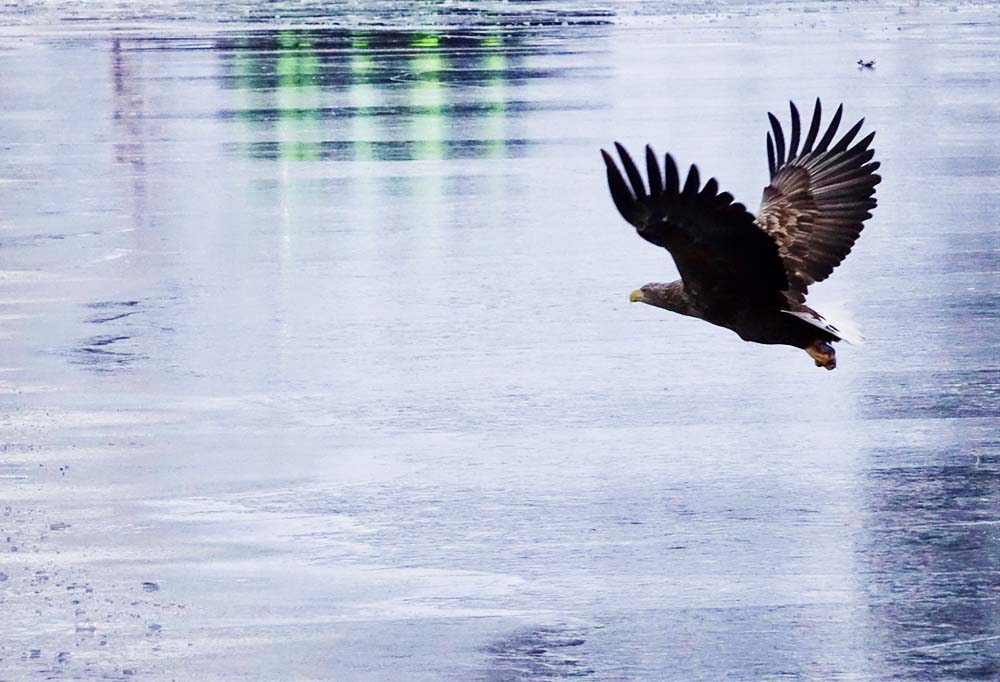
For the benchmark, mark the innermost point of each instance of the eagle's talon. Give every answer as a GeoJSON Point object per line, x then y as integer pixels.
{"type": "Point", "coordinates": [823, 354]}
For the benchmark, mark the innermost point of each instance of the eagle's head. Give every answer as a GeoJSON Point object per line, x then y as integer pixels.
{"type": "Point", "coordinates": [670, 297]}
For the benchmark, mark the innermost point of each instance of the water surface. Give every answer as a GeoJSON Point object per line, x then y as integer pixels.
{"type": "Point", "coordinates": [318, 361]}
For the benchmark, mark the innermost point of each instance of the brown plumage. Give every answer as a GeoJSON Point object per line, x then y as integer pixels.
{"type": "Point", "coordinates": [751, 274]}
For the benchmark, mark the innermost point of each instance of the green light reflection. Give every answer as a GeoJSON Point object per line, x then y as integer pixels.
{"type": "Point", "coordinates": [298, 98]}
{"type": "Point", "coordinates": [495, 124]}
{"type": "Point", "coordinates": [363, 97]}
{"type": "Point", "coordinates": [427, 97]}
{"type": "Point", "coordinates": [425, 40]}
{"type": "Point", "coordinates": [402, 96]}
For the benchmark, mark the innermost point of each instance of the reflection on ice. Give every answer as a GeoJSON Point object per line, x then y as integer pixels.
{"type": "Point", "coordinates": [317, 322]}
{"type": "Point", "coordinates": [391, 95]}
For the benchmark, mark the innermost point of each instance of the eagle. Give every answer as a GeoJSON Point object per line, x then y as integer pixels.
{"type": "Point", "coordinates": [751, 274]}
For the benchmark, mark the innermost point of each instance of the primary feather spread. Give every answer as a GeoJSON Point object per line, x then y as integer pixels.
{"type": "Point", "coordinates": [751, 274]}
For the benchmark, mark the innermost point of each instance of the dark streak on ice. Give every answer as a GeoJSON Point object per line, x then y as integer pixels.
{"type": "Point", "coordinates": [542, 654]}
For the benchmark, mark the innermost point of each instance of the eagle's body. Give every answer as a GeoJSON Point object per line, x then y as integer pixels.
{"type": "Point", "coordinates": [750, 274]}
{"type": "Point", "coordinates": [767, 323]}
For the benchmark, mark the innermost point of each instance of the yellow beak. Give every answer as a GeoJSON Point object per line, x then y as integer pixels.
{"type": "Point", "coordinates": [635, 296]}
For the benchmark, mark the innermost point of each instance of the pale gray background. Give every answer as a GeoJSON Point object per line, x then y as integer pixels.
{"type": "Point", "coordinates": [318, 324]}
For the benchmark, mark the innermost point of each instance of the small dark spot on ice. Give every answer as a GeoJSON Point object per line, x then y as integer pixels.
{"type": "Point", "coordinates": [59, 525]}
{"type": "Point", "coordinates": [150, 587]}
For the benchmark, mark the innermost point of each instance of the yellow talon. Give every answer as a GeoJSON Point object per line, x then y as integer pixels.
{"type": "Point", "coordinates": [823, 353]}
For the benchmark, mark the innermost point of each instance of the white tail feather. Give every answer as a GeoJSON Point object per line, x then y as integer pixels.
{"type": "Point", "coordinates": [845, 332]}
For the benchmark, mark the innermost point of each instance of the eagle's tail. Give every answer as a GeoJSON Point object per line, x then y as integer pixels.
{"type": "Point", "coordinates": [845, 332]}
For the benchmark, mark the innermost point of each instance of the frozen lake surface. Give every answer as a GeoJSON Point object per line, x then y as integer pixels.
{"type": "Point", "coordinates": [318, 362]}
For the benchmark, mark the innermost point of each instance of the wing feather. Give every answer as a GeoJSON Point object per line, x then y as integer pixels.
{"type": "Point", "coordinates": [813, 129]}
{"type": "Point", "coordinates": [653, 172]}
{"type": "Point", "coordinates": [793, 145]}
{"type": "Point", "coordinates": [831, 131]}
{"type": "Point", "coordinates": [779, 140]}
{"type": "Point", "coordinates": [672, 184]}
{"type": "Point", "coordinates": [818, 199]}
{"type": "Point", "coordinates": [722, 255]}
{"type": "Point", "coordinates": [693, 181]}
{"type": "Point", "coordinates": [631, 171]}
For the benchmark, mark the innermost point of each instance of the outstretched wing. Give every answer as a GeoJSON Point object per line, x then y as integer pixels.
{"type": "Point", "coordinates": [720, 253]}
{"type": "Point", "coordinates": [818, 199]}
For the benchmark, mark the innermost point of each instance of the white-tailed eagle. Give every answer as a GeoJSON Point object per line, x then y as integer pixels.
{"type": "Point", "coordinates": [750, 274]}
